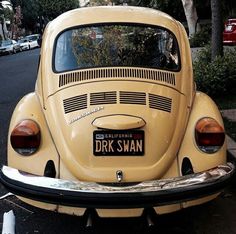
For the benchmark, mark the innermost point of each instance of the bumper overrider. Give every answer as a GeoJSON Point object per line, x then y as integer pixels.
{"type": "Point", "coordinates": [120, 195]}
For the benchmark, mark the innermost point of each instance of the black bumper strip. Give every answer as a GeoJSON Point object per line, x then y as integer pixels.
{"type": "Point", "coordinates": [114, 200]}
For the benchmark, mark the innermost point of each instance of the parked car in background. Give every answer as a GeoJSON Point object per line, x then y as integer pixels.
{"type": "Point", "coordinates": [229, 34]}
{"type": "Point", "coordinates": [9, 47]}
{"type": "Point", "coordinates": [24, 44]}
{"type": "Point", "coordinates": [115, 124]}
{"type": "Point", "coordinates": [27, 44]}
{"type": "Point", "coordinates": [33, 39]}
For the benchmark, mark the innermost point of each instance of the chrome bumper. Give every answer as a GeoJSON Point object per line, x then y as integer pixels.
{"type": "Point", "coordinates": [94, 195]}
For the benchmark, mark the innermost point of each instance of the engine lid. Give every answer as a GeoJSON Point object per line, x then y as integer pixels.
{"type": "Point", "coordinates": [155, 112]}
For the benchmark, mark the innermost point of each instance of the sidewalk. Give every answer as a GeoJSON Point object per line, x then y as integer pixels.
{"type": "Point", "coordinates": [229, 114]}
{"type": "Point", "coordinates": [231, 144]}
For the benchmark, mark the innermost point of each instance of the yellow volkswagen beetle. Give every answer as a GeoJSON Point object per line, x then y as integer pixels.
{"type": "Point", "coordinates": [115, 124]}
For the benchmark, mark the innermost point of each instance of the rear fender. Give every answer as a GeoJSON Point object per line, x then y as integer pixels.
{"type": "Point", "coordinates": [203, 106]}
{"type": "Point", "coordinates": [30, 108]}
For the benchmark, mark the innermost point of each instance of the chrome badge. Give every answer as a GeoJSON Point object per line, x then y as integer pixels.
{"type": "Point", "coordinates": [85, 114]}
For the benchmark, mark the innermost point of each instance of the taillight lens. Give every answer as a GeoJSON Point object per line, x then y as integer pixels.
{"type": "Point", "coordinates": [25, 137]}
{"type": "Point", "coordinates": [209, 135]}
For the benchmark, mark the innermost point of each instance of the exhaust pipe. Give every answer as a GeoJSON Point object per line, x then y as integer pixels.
{"type": "Point", "coordinates": [150, 221]}
{"type": "Point", "coordinates": [149, 216]}
{"type": "Point", "coordinates": [89, 222]}
{"type": "Point", "coordinates": [90, 217]}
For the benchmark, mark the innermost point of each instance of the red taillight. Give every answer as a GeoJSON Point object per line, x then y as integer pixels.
{"type": "Point", "coordinates": [25, 137]}
{"type": "Point", "coordinates": [209, 135]}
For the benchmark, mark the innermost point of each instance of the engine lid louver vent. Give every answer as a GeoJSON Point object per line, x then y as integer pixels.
{"type": "Point", "coordinates": [148, 74]}
{"type": "Point", "coordinates": [75, 103]}
{"type": "Point", "coordinates": [103, 98]}
{"type": "Point", "coordinates": [132, 98]}
{"type": "Point", "coordinates": [160, 102]}
{"type": "Point", "coordinates": [125, 97]}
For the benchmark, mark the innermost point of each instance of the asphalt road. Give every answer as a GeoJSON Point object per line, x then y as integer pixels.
{"type": "Point", "coordinates": [17, 78]}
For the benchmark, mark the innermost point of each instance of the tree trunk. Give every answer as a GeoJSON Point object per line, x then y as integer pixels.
{"type": "Point", "coordinates": [3, 28]}
{"type": "Point", "coordinates": [1, 32]}
{"type": "Point", "coordinates": [217, 29]}
{"type": "Point", "coordinates": [191, 17]}
{"type": "Point", "coordinates": [5, 32]}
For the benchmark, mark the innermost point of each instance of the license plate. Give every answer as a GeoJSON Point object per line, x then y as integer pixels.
{"type": "Point", "coordinates": [118, 143]}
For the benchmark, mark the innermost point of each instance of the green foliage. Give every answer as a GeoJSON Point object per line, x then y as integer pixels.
{"type": "Point", "coordinates": [30, 12]}
{"type": "Point", "coordinates": [51, 8]}
{"type": "Point", "coordinates": [5, 13]}
{"type": "Point", "coordinates": [217, 77]}
{"type": "Point", "coordinates": [98, 2]}
{"type": "Point", "coordinates": [8, 14]}
{"type": "Point", "coordinates": [173, 8]}
{"type": "Point", "coordinates": [201, 38]}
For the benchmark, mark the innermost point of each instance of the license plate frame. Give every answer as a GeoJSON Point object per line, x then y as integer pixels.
{"type": "Point", "coordinates": [118, 143]}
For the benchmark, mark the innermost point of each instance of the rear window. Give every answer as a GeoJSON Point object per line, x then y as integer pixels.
{"type": "Point", "coordinates": [116, 45]}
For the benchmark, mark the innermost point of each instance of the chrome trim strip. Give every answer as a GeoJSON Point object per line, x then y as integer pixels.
{"type": "Point", "coordinates": [164, 185]}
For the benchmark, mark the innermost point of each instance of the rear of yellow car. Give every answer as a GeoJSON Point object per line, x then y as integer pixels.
{"type": "Point", "coordinates": [115, 123]}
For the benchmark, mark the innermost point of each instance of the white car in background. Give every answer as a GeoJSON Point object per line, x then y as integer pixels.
{"type": "Point", "coordinates": [9, 47]}
{"type": "Point", "coordinates": [33, 39]}
{"type": "Point", "coordinates": [25, 44]}
{"type": "Point", "coordinates": [29, 42]}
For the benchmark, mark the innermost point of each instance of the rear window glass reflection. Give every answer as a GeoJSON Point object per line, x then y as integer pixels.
{"type": "Point", "coordinates": [116, 45]}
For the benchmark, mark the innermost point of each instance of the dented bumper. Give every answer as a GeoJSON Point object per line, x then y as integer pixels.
{"type": "Point", "coordinates": [95, 195]}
